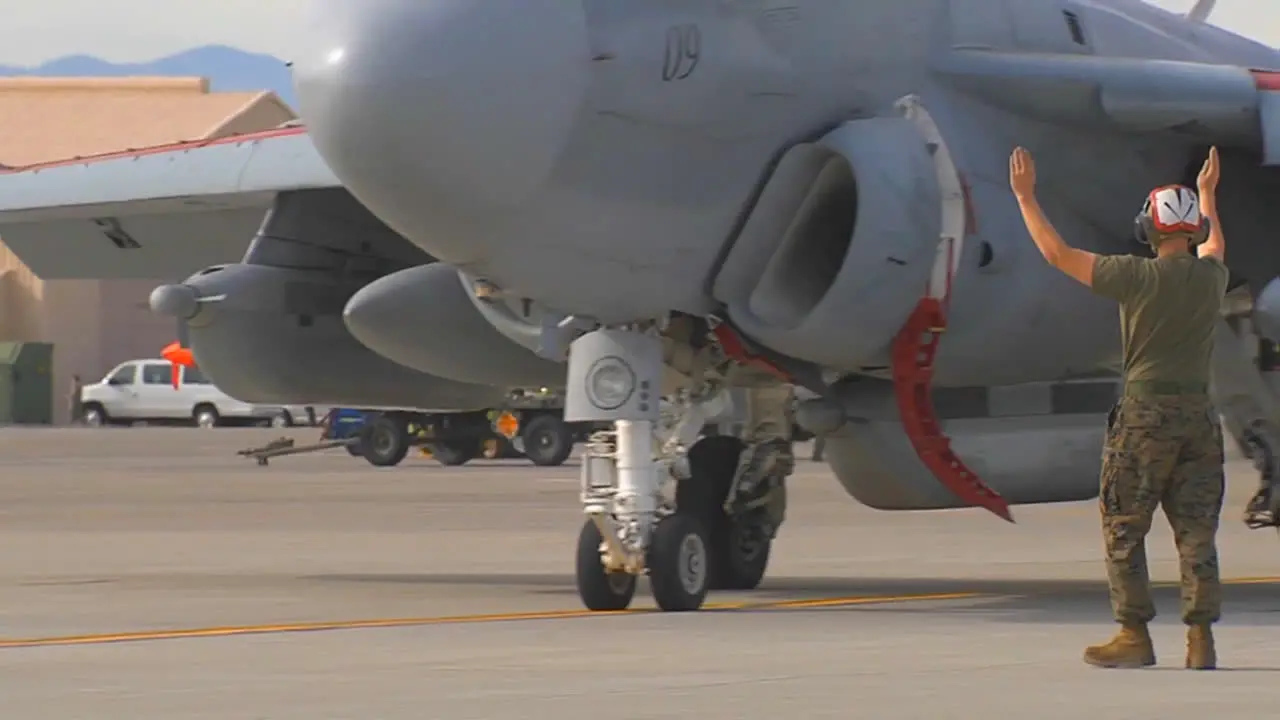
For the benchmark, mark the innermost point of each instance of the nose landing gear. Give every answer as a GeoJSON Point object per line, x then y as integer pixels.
{"type": "Point", "coordinates": [634, 525]}
{"type": "Point", "coordinates": [693, 514]}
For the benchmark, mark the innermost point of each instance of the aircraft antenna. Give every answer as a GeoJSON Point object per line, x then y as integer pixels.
{"type": "Point", "coordinates": [1201, 11]}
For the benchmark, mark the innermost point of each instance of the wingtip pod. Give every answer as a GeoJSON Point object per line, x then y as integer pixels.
{"type": "Point", "coordinates": [180, 357]}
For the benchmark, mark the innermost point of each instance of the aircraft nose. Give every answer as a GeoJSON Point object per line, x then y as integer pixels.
{"type": "Point", "coordinates": [434, 113]}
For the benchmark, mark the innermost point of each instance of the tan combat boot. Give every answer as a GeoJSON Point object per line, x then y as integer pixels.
{"type": "Point", "coordinates": [1130, 648]}
{"type": "Point", "coordinates": [1201, 655]}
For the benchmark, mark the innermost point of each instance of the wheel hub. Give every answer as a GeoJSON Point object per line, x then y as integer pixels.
{"type": "Point", "coordinates": [692, 564]}
{"type": "Point", "coordinates": [619, 583]}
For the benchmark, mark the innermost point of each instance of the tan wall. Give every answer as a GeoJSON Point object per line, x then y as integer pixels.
{"type": "Point", "coordinates": [93, 324]}
{"type": "Point", "coordinates": [20, 293]}
{"type": "Point", "coordinates": [69, 320]}
{"type": "Point", "coordinates": [128, 328]}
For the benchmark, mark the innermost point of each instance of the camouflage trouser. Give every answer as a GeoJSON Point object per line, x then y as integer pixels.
{"type": "Point", "coordinates": [768, 453]}
{"type": "Point", "coordinates": [1163, 450]}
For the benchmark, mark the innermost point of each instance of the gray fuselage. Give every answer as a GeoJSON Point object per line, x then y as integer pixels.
{"type": "Point", "coordinates": [599, 157]}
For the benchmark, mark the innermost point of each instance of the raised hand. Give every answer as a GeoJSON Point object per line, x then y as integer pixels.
{"type": "Point", "coordinates": [1210, 173]}
{"type": "Point", "coordinates": [1022, 173]}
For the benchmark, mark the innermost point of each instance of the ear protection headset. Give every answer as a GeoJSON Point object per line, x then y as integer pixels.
{"type": "Point", "coordinates": [1172, 209]}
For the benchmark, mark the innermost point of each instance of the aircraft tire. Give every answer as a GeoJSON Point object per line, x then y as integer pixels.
{"type": "Point", "coordinates": [739, 553]}
{"type": "Point", "coordinates": [600, 590]}
{"type": "Point", "coordinates": [679, 561]}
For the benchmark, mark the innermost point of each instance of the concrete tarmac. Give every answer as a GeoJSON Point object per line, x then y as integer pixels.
{"type": "Point", "coordinates": [151, 573]}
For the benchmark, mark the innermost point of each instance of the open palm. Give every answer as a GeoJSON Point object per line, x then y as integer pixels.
{"type": "Point", "coordinates": [1022, 173]}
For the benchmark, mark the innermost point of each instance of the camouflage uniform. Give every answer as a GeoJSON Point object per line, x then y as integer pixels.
{"type": "Point", "coordinates": [1163, 447]}
{"type": "Point", "coordinates": [768, 459]}
{"type": "Point", "coordinates": [1163, 451]}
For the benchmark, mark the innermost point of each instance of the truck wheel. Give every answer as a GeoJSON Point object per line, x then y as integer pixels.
{"type": "Point", "coordinates": [453, 454]}
{"type": "Point", "coordinates": [94, 416]}
{"type": "Point", "coordinates": [386, 441]}
{"type": "Point", "coordinates": [547, 441]}
{"type": "Point", "coordinates": [206, 416]}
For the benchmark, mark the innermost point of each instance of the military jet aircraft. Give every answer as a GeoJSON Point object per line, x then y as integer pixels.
{"type": "Point", "coordinates": [673, 198]}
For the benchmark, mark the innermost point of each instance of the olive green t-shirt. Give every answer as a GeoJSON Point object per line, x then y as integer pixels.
{"type": "Point", "coordinates": [1168, 308]}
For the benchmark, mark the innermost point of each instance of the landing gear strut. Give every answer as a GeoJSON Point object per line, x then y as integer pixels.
{"type": "Point", "coordinates": [616, 376]}
{"type": "Point", "coordinates": [693, 514]}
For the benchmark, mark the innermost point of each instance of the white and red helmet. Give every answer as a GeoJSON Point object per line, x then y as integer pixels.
{"type": "Point", "coordinates": [1171, 210]}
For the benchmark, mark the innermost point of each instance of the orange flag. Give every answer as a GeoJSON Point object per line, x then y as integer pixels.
{"type": "Point", "coordinates": [180, 357]}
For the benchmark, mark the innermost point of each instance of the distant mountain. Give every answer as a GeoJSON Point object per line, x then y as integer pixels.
{"type": "Point", "coordinates": [227, 68]}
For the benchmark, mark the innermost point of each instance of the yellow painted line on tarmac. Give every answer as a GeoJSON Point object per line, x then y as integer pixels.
{"type": "Point", "coordinates": [1226, 581]}
{"type": "Point", "coordinates": [844, 602]}
{"type": "Point", "coordinates": [235, 630]}
{"type": "Point", "coordinates": [1250, 581]}
{"type": "Point", "coordinates": [282, 628]}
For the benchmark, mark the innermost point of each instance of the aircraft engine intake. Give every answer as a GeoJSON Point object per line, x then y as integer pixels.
{"type": "Point", "coordinates": [841, 244]}
{"type": "Point", "coordinates": [270, 329]}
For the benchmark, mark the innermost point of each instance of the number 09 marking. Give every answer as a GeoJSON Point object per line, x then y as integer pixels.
{"type": "Point", "coordinates": [684, 50]}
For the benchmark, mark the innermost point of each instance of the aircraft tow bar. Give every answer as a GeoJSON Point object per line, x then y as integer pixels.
{"type": "Point", "coordinates": [916, 345]}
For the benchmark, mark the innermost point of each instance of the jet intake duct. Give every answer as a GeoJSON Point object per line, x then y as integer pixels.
{"type": "Point", "coordinates": [425, 319]}
{"type": "Point", "coordinates": [275, 335]}
{"type": "Point", "coordinates": [840, 245]}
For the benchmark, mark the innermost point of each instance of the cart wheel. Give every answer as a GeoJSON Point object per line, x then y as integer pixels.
{"type": "Point", "coordinates": [547, 441]}
{"type": "Point", "coordinates": [386, 441]}
{"type": "Point", "coordinates": [453, 454]}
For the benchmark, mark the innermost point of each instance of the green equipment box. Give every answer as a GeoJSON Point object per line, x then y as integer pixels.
{"type": "Point", "coordinates": [26, 383]}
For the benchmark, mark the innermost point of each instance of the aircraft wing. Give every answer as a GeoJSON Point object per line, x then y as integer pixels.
{"type": "Point", "coordinates": [156, 213]}
{"type": "Point", "coordinates": [1222, 104]}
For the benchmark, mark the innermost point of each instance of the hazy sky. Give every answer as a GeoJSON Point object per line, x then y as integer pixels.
{"type": "Point", "coordinates": [126, 30]}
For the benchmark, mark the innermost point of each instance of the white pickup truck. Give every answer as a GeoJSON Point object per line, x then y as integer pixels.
{"type": "Point", "coordinates": [142, 390]}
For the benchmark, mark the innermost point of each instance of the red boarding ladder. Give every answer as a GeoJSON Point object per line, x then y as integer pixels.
{"type": "Point", "coordinates": [916, 345]}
